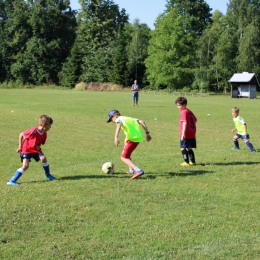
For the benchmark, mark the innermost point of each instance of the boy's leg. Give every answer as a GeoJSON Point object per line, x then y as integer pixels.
{"type": "Point", "coordinates": [131, 170]}
{"type": "Point", "coordinates": [236, 144]}
{"type": "Point", "coordinates": [15, 177]}
{"type": "Point", "coordinates": [192, 156]}
{"type": "Point", "coordinates": [126, 158]}
{"type": "Point", "coordinates": [46, 168]}
{"type": "Point", "coordinates": [185, 156]}
{"type": "Point", "coordinates": [19, 173]}
{"type": "Point", "coordinates": [249, 145]}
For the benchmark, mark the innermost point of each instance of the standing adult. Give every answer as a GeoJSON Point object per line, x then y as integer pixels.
{"type": "Point", "coordinates": [135, 93]}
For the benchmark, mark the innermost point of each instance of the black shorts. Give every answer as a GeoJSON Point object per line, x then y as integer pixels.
{"type": "Point", "coordinates": [35, 156]}
{"type": "Point", "coordinates": [188, 143]}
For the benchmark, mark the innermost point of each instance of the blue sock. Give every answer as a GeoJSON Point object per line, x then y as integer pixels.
{"type": "Point", "coordinates": [250, 146]}
{"type": "Point", "coordinates": [17, 175]}
{"type": "Point", "coordinates": [236, 143]}
{"type": "Point", "coordinates": [46, 168]}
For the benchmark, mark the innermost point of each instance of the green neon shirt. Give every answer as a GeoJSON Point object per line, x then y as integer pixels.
{"type": "Point", "coordinates": [239, 124]}
{"type": "Point", "coordinates": [131, 128]}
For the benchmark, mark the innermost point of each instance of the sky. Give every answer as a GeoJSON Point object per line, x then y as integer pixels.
{"type": "Point", "coordinates": [148, 10]}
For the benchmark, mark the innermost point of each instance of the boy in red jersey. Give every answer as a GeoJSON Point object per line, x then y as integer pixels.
{"type": "Point", "coordinates": [30, 143]}
{"type": "Point", "coordinates": [187, 132]}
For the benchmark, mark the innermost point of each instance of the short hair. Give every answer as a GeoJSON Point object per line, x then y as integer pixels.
{"type": "Point", "coordinates": [45, 120]}
{"type": "Point", "coordinates": [235, 109]}
{"type": "Point", "coordinates": [181, 101]}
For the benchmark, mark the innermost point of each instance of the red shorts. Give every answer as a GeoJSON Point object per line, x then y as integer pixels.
{"type": "Point", "coordinates": [128, 149]}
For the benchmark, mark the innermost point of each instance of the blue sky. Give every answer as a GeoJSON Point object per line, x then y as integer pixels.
{"type": "Point", "coordinates": [148, 10]}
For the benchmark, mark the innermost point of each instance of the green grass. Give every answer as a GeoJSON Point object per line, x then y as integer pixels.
{"type": "Point", "coordinates": [210, 211]}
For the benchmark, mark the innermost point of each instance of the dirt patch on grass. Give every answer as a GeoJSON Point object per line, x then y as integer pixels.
{"type": "Point", "coordinates": [94, 86]}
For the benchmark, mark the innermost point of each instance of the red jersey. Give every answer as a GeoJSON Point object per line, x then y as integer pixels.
{"type": "Point", "coordinates": [189, 117]}
{"type": "Point", "coordinates": [32, 138]}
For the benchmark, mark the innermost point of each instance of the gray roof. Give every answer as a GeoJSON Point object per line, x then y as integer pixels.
{"type": "Point", "coordinates": [243, 77]}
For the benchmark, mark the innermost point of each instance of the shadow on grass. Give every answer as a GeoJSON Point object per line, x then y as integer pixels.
{"type": "Point", "coordinates": [78, 177]}
{"type": "Point", "coordinates": [190, 173]}
{"type": "Point", "coordinates": [114, 175]}
{"type": "Point", "coordinates": [234, 163]}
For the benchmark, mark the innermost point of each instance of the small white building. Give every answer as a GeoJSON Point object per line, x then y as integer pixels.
{"type": "Point", "coordinates": [244, 85]}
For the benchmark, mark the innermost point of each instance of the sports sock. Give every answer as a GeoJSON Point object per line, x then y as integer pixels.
{"type": "Point", "coordinates": [185, 155]}
{"type": "Point", "coordinates": [250, 146]}
{"type": "Point", "coordinates": [191, 155]}
{"type": "Point", "coordinates": [131, 170]}
{"type": "Point", "coordinates": [236, 143]}
{"type": "Point", "coordinates": [137, 169]}
{"type": "Point", "coordinates": [17, 175]}
{"type": "Point", "coordinates": [46, 168]}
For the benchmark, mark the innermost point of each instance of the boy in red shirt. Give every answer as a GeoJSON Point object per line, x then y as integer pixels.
{"type": "Point", "coordinates": [30, 143]}
{"type": "Point", "coordinates": [187, 132]}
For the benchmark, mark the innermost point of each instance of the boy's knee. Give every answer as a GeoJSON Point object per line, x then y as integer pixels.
{"type": "Point", "coordinates": [43, 159]}
{"type": "Point", "coordinates": [246, 140]}
{"type": "Point", "coordinates": [25, 167]}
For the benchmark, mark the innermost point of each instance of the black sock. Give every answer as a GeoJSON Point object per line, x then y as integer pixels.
{"type": "Point", "coordinates": [191, 155]}
{"type": "Point", "coordinates": [236, 143]}
{"type": "Point", "coordinates": [185, 155]}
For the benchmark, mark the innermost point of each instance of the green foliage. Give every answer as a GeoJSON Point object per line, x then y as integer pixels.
{"type": "Point", "coordinates": [41, 43]}
{"type": "Point", "coordinates": [170, 62]}
{"type": "Point", "coordinates": [208, 70]}
{"type": "Point", "coordinates": [71, 69]}
{"type": "Point", "coordinates": [243, 19]}
{"type": "Point", "coordinates": [137, 51]}
{"type": "Point", "coordinates": [199, 13]}
{"type": "Point", "coordinates": [38, 36]}
{"type": "Point", "coordinates": [201, 212]}
{"type": "Point", "coordinates": [98, 25]}
{"type": "Point", "coordinates": [248, 58]}
{"type": "Point", "coordinates": [119, 73]}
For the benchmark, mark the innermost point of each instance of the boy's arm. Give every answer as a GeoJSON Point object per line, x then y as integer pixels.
{"type": "Point", "coordinates": [184, 127]}
{"type": "Point", "coordinates": [118, 127]}
{"type": "Point", "coordinates": [245, 130]}
{"type": "Point", "coordinates": [21, 139]}
{"type": "Point", "coordinates": [148, 136]}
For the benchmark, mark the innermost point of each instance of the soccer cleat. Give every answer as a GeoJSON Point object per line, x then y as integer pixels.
{"type": "Point", "coordinates": [137, 175]}
{"type": "Point", "coordinates": [50, 177]}
{"type": "Point", "coordinates": [12, 183]}
{"type": "Point", "coordinates": [253, 151]}
{"type": "Point", "coordinates": [235, 148]}
{"type": "Point", "coordinates": [192, 164]}
{"type": "Point", "coordinates": [185, 164]}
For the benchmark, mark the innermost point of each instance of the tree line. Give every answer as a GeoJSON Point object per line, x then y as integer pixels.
{"type": "Point", "coordinates": [46, 42]}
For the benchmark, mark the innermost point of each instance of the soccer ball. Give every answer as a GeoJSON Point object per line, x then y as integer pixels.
{"type": "Point", "coordinates": [108, 168]}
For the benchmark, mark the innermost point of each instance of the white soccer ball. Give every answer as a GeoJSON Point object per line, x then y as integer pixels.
{"type": "Point", "coordinates": [108, 168]}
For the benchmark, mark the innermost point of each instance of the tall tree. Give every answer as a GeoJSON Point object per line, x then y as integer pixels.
{"type": "Point", "coordinates": [171, 60]}
{"type": "Point", "coordinates": [206, 72]}
{"type": "Point", "coordinates": [137, 50]}
{"type": "Point", "coordinates": [119, 73]}
{"type": "Point", "coordinates": [197, 10]}
{"type": "Point", "coordinates": [14, 31]}
{"type": "Point", "coordinates": [49, 39]}
{"type": "Point", "coordinates": [249, 50]}
{"type": "Point", "coordinates": [99, 23]}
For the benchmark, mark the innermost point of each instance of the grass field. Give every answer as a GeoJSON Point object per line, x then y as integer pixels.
{"type": "Point", "coordinates": [210, 211]}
